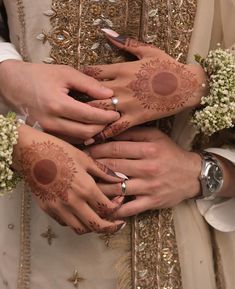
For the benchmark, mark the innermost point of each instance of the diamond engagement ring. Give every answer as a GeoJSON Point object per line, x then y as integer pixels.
{"type": "Point", "coordinates": [114, 101]}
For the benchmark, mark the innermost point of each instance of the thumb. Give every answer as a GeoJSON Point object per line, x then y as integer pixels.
{"type": "Point", "coordinates": [86, 85]}
{"type": "Point", "coordinates": [139, 49]}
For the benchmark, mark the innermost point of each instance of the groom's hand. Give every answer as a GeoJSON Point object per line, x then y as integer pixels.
{"type": "Point", "coordinates": [41, 90]}
{"type": "Point", "coordinates": [161, 174]}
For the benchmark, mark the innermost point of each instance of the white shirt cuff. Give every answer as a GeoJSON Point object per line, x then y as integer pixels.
{"type": "Point", "coordinates": [8, 51]}
{"type": "Point", "coordinates": [220, 213]}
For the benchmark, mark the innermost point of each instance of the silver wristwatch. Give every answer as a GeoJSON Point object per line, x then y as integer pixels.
{"type": "Point", "coordinates": [211, 177]}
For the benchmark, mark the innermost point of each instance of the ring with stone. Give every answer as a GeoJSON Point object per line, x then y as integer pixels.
{"type": "Point", "coordinates": [123, 185]}
{"type": "Point", "coordinates": [114, 101]}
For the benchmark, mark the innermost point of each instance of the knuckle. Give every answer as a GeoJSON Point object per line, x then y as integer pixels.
{"type": "Point", "coordinates": [53, 107]}
{"type": "Point", "coordinates": [46, 124]}
{"type": "Point", "coordinates": [150, 150]}
{"type": "Point", "coordinates": [151, 169]}
{"type": "Point", "coordinates": [54, 207]}
{"type": "Point", "coordinates": [153, 187]}
{"type": "Point", "coordinates": [115, 148]}
{"type": "Point", "coordinates": [111, 163]}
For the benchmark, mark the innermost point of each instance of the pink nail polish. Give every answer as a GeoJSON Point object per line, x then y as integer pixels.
{"type": "Point", "coordinates": [89, 142]}
{"type": "Point", "coordinates": [110, 32]}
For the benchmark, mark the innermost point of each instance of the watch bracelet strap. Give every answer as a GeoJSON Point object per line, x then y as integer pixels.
{"type": "Point", "coordinates": [205, 156]}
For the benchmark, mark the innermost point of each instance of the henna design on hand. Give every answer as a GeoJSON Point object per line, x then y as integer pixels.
{"type": "Point", "coordinates": [105, 169]}
{"type": "Point", "coordinates": [163, 86]}
{"type": "Point", "coordinates": [112, 130]}
{"type": "Point", "coordinates": [91, 71]}
{"type": "Point", "coordinates": [105, 212]}
{"type": "Point", "coordinates": [129, 42]}
{"type": "Point", "coordinates": [80, 231]}
{"type": "Point", "coordinates": [48, 170]}
{"type": "Point", "coordinates": [106, 230]}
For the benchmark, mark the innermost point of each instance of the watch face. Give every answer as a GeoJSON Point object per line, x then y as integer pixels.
{"type": "Point", "coordinates": [214, 178]}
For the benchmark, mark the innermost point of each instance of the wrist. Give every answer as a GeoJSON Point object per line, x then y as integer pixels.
{"type": "Point", "coordinates": [202, 89]}
{"type": "Point", "coordinates": [195, 170]}
{"type": "Point", "coordinates": [5, 66]}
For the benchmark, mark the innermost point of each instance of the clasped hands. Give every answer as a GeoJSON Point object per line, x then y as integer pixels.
{"type": "Point", "coordinates": [161, 174]}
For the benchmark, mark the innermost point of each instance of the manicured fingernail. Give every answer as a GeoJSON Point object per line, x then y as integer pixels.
{"type": "Point", "coordinates": [117, 37]}
{"type": "Point", "coordinates": [89, 142]}
{"type": "Point", "coordinates": [111, 173]}
{"type": "Point", "coordinates": [110, 32]}
{"type": "Point", "coordinates": [121, 176]}
{"type": "Point", "coordinates": [120, 227]}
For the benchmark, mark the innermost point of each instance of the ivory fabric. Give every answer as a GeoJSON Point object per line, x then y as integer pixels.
{"type": "Point", "coordinates": [53, 265]}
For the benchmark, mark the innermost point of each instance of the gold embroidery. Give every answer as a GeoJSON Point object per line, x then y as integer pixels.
{"type": "Point", "coordinates": [76, 279]}
{"type": "Point", "coordinates": [94, 16]}
{"type": "Point", "coordinates": [168, 24]}
{"type": "Point", "coordinates": [23, 281]}
{"type": "Point", "coordinates": [63, 37]}
{"type": "Point", "coordinates": [155, 254]}
{"type": "Point", "coordinates": [49, 235]}
{"type": "Point", "coordinates": [76, 43]}
{"type": "Point", "coordinates": [21, 19]}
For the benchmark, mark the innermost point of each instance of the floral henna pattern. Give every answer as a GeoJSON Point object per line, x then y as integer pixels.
{"type": "Point", "coordinates": [134, 43]}
{"type": "Point", "coordinates": [92, 71]}
{"type": "Point", "coordinates": [48, 170]}
{"type": "Point", "coordinates": [163, 86]}
{"type": "Point", "coordinates": [111, 131]}
{"type": "Point", "coordinates": [129, 42]}
{"type": "Point", "coordinates": [106, 230]}
{"type": "Point", "coordinates": [104, 211]}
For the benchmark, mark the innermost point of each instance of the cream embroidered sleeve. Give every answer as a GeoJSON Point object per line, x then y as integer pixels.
{"type": "Point", "coordinates": [220, 213]}
{"type": "Point", "coordinates": [7, 50]}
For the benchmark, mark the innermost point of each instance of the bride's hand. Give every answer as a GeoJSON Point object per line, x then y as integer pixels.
{"type": "Point", "coordinates": [61, 179]}
{"type": "Point", "coordinates": [153, 87]}
{"type": "Point", "coordinates": [161, 174]}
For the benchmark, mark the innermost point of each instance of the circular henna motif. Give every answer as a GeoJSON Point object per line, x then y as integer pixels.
{"type": "Point", "coordinates": [45, 171]}
{"type": "Point", "coordinates": [48, 170]}
{"type": "Point", "coordinates": [163, 85]}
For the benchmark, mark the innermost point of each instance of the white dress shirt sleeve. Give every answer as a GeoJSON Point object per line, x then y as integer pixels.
{"type": "Point", "coordinates": [8, 51]}
{"type": "Point", "coordinates": [220, 213]}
